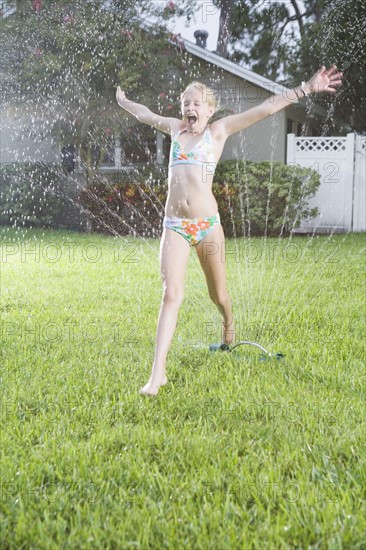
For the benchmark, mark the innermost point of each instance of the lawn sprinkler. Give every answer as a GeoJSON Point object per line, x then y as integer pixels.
{"type": "Point", "coordinates": [263, 357]}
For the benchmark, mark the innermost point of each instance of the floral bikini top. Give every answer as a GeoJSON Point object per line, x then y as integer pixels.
{"type": "Point", "coordinates": [201, 153]}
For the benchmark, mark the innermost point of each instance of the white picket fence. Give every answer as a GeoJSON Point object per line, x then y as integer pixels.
{"type": "Point", "coordinates": [341, 164]}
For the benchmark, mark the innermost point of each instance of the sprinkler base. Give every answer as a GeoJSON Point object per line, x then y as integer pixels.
{"type": "Point", "coordinates": [219, 347]}
{"type": "Point", "coordinates": [263, 356]}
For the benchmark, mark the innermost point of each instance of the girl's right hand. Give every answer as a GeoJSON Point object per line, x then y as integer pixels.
{"type": "Point", "coordinates": [120, 95]}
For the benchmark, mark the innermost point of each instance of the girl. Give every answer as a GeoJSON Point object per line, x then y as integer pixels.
{"type": "Point", "coordinates": [191, 215]}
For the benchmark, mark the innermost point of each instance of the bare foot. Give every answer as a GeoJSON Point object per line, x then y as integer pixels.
{"type": "Point", "coordinates": [152, 387]}
{"type": "Point", "coordinates": [228, 332]}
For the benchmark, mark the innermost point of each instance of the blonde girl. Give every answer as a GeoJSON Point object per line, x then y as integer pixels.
{"type": "Point", "coordinates": [191, 212]}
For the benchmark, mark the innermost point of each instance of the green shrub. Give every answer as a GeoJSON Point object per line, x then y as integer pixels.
{"type": "Point", "coordinates": [267, 198]}
{"type": "Point", "coordinates": [129, 204]}
{"type": "Point", "coordinates": [30, 195]}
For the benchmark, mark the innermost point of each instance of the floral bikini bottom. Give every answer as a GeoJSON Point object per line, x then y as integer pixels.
{"type": "Point", "coordinates": [194, 230]}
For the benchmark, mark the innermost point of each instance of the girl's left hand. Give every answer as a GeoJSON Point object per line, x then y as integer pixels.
{"type": "Point", "coordinates": [325, 80]}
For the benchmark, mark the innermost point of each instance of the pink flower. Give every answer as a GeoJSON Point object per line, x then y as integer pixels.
{"type": "Point", "coordinates": [162, 95]}
{"type": "Point", "coordinates": [37, 5]}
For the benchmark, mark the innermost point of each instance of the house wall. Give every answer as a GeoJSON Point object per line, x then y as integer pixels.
{"type": "Point", "coordinates": [21, 139]}
{"type": "Point", "coordinates": [265, 140]}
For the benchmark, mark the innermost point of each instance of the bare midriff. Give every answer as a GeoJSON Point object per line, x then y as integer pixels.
{"type": "Point", "coordinates": [190, 192]}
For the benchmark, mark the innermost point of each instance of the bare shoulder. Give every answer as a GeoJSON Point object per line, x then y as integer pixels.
{"type": "Point", "coordinates": [168, 125]}
{"type": "Point", "coordinates": [176, 125]}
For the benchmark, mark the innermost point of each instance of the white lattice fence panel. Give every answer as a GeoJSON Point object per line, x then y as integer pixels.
{"type": "Point", "coordinates": [332, 158]}
{"type": "Point", "coordinates": [359, 195]}
{"type": "Point", "coordinates": [320, 145]}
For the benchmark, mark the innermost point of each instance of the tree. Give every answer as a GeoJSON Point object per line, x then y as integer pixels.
{"type": "Point", "coordinates": [339, 37]}
{"type": "Point", "coordinates": [70, 56]}
{"type": "Point", "coordinates": [288, 41]}
{"type": "Point", "coordinates": [256, 29]}
{"type": "Point", "coordinates": [224, 27]}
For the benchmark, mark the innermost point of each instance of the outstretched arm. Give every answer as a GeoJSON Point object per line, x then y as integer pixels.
{"type": "Point", "coordinates": [325, 80]}
{"type": "Point", "coordinates": [143, 113]}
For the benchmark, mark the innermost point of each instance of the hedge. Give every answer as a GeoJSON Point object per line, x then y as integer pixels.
{"type": "Point", "coordinates": [31, 195]}
{"type": "Point", "coordinates": [267, 198]}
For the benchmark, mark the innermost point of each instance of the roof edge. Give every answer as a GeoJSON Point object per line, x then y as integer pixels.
{"type": "Point", "coordinates": [226, 64]}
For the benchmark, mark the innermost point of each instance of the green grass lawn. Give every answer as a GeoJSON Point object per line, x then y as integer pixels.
{"type": "Point", "coordinates": [235, 452]}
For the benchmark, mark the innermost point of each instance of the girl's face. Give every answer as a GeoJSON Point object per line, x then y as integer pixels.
{"type": "Point", "coordinates": [196, 110]}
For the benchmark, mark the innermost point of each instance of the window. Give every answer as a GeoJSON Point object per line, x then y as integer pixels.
{"type": "Point", "coordinates": [139, 148]}
{"type": "Point", "coordinates": [294, 127]}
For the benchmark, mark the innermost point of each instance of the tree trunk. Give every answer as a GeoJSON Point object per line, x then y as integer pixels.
{"type": "Point", "coordinates": [224, 28]}
{"type": "Point", "coordinates": [298, 17]}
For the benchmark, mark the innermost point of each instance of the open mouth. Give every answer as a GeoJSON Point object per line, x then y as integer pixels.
{"type": "Point", "coordinates": [191, 119]}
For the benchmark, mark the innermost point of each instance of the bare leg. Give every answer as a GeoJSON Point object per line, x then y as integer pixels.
{"type": "Point", "coordinates": [174, 256]}
{"type": "Point", "coordinates": [211, 253]}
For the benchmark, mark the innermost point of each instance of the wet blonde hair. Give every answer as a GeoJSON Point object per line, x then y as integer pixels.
{"type": "Point", "coordinates": [207, 93]}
